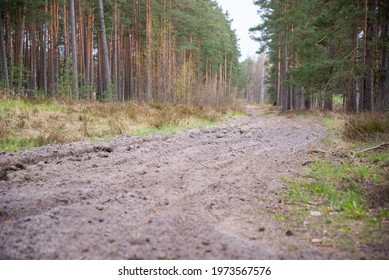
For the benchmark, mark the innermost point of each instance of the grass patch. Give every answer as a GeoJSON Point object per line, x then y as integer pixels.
{"type": "Point", "coordinates": [174, 129]}
{"type": "Point", "coordinates": [11, 104]}
{"type": "Point", "coordinates": [349, 189]}
{"type": "Point", "coordinates": [338, 187]}
{"type": "Point", "coordinates": [13, 145]}
{"type": "Point", "coordinates": [31, 123]}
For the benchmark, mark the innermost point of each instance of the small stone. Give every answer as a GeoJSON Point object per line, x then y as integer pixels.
{"type": "Point", "coordinates": [316, 241]}
{"type": "Point", "coordinates": [316, 214]}
{"type": "Point", "coordinates": [205, 243]}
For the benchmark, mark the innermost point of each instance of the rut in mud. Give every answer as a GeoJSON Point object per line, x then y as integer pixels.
{"type": "Point", "coordinates": [212, 193]}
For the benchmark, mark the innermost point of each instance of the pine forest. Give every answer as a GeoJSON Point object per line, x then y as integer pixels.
{"type": "Point", "coordinates": [116, 50]}
{"type": "Point", "coordinates": [321, 50]}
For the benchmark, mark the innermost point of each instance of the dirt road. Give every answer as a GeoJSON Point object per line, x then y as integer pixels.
{"type": "Point", "coordinates": [213, 193]}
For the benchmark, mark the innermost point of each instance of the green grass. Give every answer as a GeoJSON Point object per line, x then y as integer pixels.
{"type": "Point", "coordinates": [173, 129]}
{"type": "Point", "coordinates": [337, 100]}
{"type": "Point", "coordinates": [349, 190]}
{"type": "Point", "coordinates": [14, 145]}
{"type": "Point", "coordinates": [340, 186]}
{"type": "Point", "coordinates": [7, 106]}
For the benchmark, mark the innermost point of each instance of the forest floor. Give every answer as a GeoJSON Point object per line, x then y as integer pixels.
{"type": "Point", "coordinates": [211, 193]}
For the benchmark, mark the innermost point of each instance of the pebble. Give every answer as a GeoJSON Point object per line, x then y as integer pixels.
{"type": "Point", "coordinates": [316, 241]}
{"type": "Point", "coordinates": [316, 214]}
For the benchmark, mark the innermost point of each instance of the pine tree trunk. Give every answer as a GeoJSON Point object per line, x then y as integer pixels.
{"type": "Point", "coordinates": [44, 55]}
{"type": "Point", "coordinates": [137, 71]}
{"type": "Point", "coordinates": [278, 82]}
{"type": "Point", "coordinates": [284, 74]}
{"type": "Point", "coordinates": [74, 50]}
{"type": "Point", "coordinates": [351, 96]}
{"type": "Point", "coordinates": [106, 69]}
{"type": "Point", "coordinates": [3, 59]}
{"type": "Point", "coordinates": [385, 55]}
{"type": "Point", "coordinates": [33, 58]}
{"type": "Point", "coordinates": [148, 47]}
{"type": "Point", "coordinates": [367, 96]}
{"type": "Point", "coordinates": [21, 39]}
{"type": "Point", "coordinates": [89, 56]}
{"type": "Point", "coordinates": [66, 40]}
{"type": "Point", "coordinates": [328, 104]}
{"type": "Point", "coordinates": [115, 53]}
{"type": "Point", "coordinates": [9, 49]}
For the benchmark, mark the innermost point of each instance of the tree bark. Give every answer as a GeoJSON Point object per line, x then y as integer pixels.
{"type": "Point", "coordinates": [74, 50]}
{"type": "Point", "coordinates": [368, 81]}
{"type": "Point", "coordinates": [106, 69]}
{"type": "Point", "coordinates": [3, 53]}
{"type": "Point", "coordinates": [385, 55]}
{"type": "Point", "coordinates": [351, 96]}
{"type": "Point", "coordinates": [328, 105]}
{"type": "Point", "coordinates": [21, 39]}
{"type": "Point", "coordinates": [148, 46]}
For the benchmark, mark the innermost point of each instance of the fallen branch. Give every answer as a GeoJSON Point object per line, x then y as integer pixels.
{"type": "Point", "coordinates": [372, 149]}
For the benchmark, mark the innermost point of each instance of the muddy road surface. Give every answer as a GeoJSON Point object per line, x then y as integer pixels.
{"type": "Point", "coordinates": [212, 193]}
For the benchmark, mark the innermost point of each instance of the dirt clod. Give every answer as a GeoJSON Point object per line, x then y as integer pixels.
{"type": "Point", "coordinates": [3, 175]}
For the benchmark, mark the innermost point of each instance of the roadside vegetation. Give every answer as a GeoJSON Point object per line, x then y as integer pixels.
{"type": "Point", "coordinates": [342, 200]}
{"type": "Point", "coordinates": [27, 123]}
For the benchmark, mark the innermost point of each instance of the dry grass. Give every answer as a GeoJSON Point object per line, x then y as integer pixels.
{"type": "Point", "coordinates": [28, 123]}
{"type": "Point", "coordinates": [367, 126]}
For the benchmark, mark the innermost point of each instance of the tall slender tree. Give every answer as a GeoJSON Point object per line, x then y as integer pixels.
{"type": "Point", "coordinates": [74, 50]}
{"type": "Point", "coordinates": [3, 59]}
{"type": "Point", "coordinates": [106, 73]}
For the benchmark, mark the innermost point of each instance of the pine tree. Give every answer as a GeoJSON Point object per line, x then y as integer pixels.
{"type": "Point", "coordinates": [319, 49]}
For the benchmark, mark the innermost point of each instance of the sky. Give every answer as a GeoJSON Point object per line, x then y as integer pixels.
{"type": "Point", "coordinates": [244, 15]}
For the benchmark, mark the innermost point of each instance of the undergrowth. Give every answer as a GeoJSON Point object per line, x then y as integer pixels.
{"type": "Point", "coordinates": [347, 182]}
{"type": "Point", "coordinates": [28, 123]}
{"type": "Point", "coordinates": [367, 126]}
